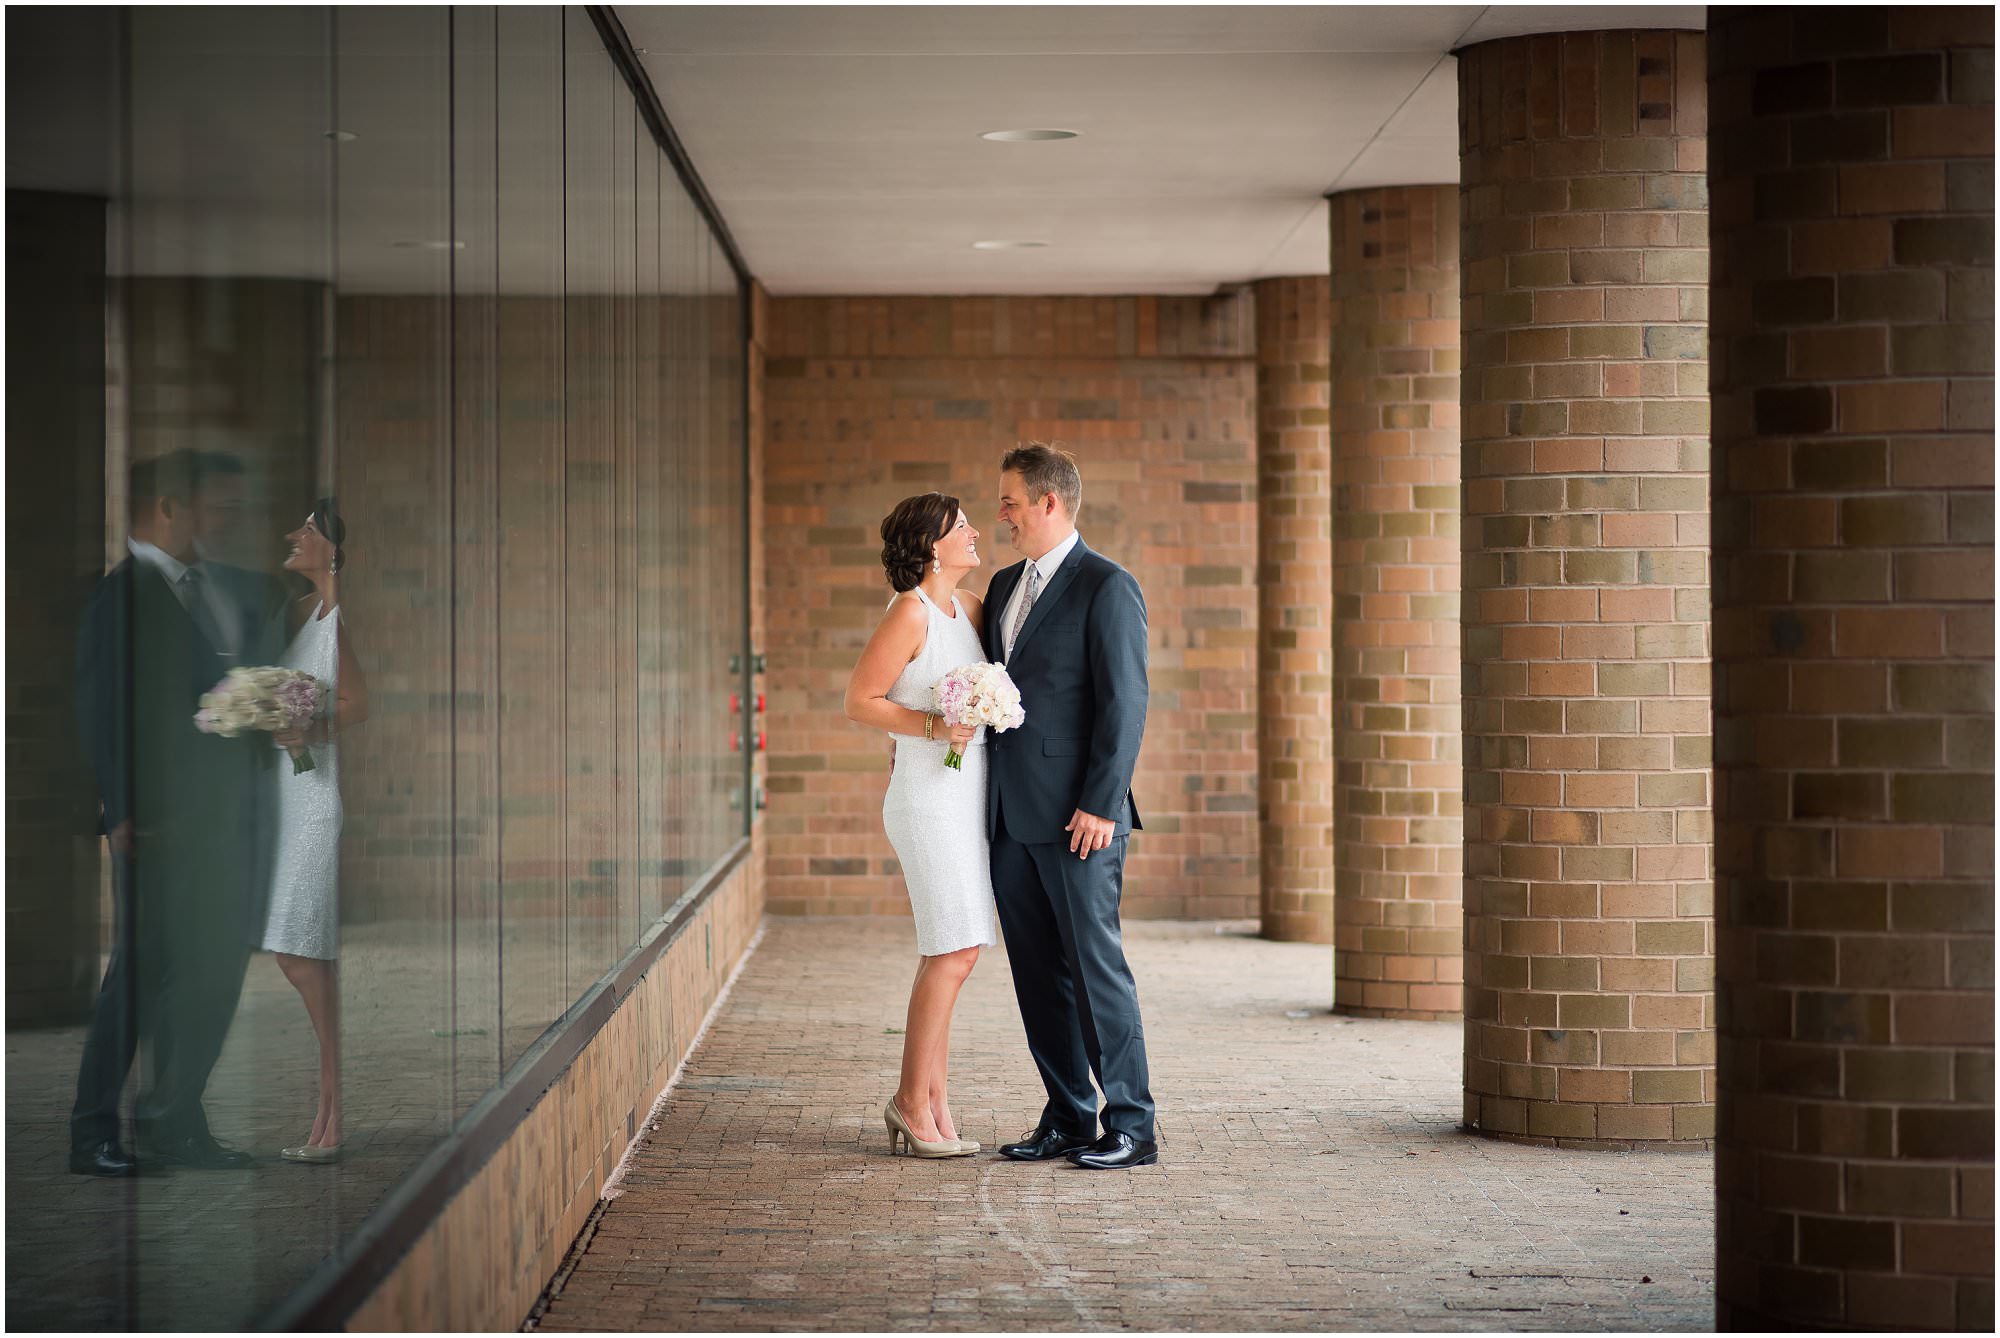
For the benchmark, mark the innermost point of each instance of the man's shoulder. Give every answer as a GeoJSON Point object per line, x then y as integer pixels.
{"type": "Point", "coordinates": [113, 584]}
{"type": "Point", "coordinates": [1101, 569]}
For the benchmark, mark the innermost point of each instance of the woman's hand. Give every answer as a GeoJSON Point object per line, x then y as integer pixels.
{"type": "Point", "coordinates": [961, 734]}
{"type": "Point", "coordinates": [311, 736]}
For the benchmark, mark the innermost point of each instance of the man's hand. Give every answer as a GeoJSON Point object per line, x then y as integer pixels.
{"type": "Point", "coordinates": [122, 842]}
{"type": "Point", "coordinates": [1088, 833]}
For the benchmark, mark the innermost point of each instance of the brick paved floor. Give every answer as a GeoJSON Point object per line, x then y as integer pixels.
{"type": "Point", "coordinates": [1313, 1176]}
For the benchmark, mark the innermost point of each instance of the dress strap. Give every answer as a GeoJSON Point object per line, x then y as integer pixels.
{"type": "Point", "coordinates": [927, 599]}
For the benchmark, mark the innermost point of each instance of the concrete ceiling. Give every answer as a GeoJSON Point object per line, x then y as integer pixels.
{"type": "Point", "coordinates": [842, 142]}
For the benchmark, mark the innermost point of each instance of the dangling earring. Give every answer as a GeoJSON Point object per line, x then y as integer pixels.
{"type": "Point", "coordinates": [936, 565]}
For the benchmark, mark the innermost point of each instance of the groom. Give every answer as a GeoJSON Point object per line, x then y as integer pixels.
{"type": "Point", "coordinates": [1070, 625]}
{"type": "Point", "coordinates": [182, 812]}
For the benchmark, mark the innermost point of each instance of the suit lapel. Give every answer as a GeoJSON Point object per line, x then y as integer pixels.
{"type": "Point", "coordinates": [1057, 584]}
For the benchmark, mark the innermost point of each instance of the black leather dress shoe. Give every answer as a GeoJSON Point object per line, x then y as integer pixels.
{"type": "Point", "coordinates": [106, 1159]}
{"type": "Point", "coordinates": [1115, 1152]}
{"type": "Point", "coordinates": [201, 1152]}
{"type": "Point", "coordinates": [1042, 1144]}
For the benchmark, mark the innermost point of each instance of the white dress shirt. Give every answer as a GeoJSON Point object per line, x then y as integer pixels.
{"type": "Point", "coordinates": [172, 570]}
{"type": "Point", "coordinates": [1047, 564]}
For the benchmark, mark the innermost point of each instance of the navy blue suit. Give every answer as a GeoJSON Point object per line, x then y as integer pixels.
{"type": "Point", "coordinates": [1080, 662]}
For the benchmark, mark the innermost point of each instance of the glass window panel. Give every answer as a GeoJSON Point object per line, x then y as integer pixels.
{"type": "Point", "coordinates": [624, 906]}
{"type": "Point", "coordinates": [649, 607]}
{"type": "Point", "coordinates": [680, 227]}
{"type": "Point", "coordinates": [396, 476]}
{"type": "Point", "coordinates": [223, 310]}
{"type": "Point", "coordinates": [531, 654]}
{"type": "Point", "coordinates": [591, 96]}
{"type": "Point", "coordinates": [476, 597]}
{"type": "Point", "coordinates": [714, 666]}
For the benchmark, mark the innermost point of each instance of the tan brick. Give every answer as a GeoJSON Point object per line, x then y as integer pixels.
{"type": "Point", "coordinates": [1835, 795]}
{"type": "Point", "coordinates": [1010, 370]}
{"type": "Point", "coordinates": [1398, 246]}
{"type": "Point", "coordinates": [1584, 682]}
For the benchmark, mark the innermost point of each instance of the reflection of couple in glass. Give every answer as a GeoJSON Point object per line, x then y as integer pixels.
{"type": "Point", "coordinates": [214, 849]}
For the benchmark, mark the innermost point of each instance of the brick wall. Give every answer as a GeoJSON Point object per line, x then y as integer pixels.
{"type": "Point", "coordinates": [1295, 610]}
{"type": "Point", "coordinates": [1853, 174]}
{"type": "Point", "coordinates": [1587, 826]}
{"type": "Point", "coordinates": [1399, 799]}
{"type": "Point", "coordinates": [868, 400]}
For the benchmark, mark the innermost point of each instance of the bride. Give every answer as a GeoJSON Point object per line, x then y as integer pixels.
{"type": "Point", "coordinates": [303, 928]}
{"type": "Point", "coordinates": [935, 817]}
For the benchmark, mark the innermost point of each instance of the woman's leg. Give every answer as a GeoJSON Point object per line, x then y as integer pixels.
{"type": "Point", "coordinates": [939, 1102]}
{"type": "Point", "coordinates": [927, 1035]}
{"type": "Point", "coordinates": [318, 985]}
{"type": "Point", "coordinates": [940, 1106]}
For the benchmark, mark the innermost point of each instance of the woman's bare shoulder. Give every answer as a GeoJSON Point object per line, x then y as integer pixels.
{"type": "Point", "coordinates": [906, 607]}
{"type": "Point", "coordinates": [905, 618]}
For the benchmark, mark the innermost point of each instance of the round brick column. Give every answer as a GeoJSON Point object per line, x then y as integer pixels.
{"type": "Point", "coordinates": [1294, 629]}
{"type": "Point", "coordinates": [1853, 171]}
{"type": "Point", "coordinates": [1398, 930]}
{"type": "Point", "coordinates": [1588, 1012]}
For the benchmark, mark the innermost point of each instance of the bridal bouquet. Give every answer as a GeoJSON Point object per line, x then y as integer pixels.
{"type": "Point", "coordinates": [272, 699]}
{"type": "Point", "coordinates": [978, 694]}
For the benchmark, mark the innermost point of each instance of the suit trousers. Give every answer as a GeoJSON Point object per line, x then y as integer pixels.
{"type": "Point", "coordinates": [175, 977]}
{"type": "Point", "coordinates": [113, 1038]}
{"type": "Point", "coordinates": [1059, 915]}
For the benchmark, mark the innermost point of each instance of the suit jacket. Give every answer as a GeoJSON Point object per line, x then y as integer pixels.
{"type": "Point", "coordinates": [1080, 663]}
{"type": "Point", "coordinates": [198, 801]}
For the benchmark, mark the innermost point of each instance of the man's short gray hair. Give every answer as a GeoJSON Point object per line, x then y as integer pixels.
{"type": "Point", "coordinates": [1046, 469]}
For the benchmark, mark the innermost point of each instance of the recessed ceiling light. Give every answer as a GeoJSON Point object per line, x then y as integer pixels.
{"type": "Point", "coordinates": [1027, 136]}
{"type": "Point", "coordinates": [1006, 246]}
{"type": "Point", "coordinates": [342, 136]}
{"type": "Point", "coordinates": [432, 246]}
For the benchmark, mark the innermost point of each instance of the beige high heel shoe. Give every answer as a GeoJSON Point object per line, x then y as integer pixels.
{"type": "Point", "coordinates": [965, 1143]}
{"type": "Point", "coordinates": [900, 1128]}
{"type": "Point", "coordinates": [310, 1153]}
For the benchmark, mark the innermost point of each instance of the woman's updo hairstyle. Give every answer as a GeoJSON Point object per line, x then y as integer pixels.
{"type": "Point", "coordinates": [909, 534]}
{"type": "Point", "coordinates": [326, 519]}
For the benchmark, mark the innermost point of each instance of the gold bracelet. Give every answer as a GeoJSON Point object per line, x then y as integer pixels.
{"type": "Point", "coordinates": [930, 723]}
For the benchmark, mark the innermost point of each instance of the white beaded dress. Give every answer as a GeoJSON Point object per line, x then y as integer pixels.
{"type": "Point", "coordinates": [304, 918]}
{"type": "Point", "coordinates": [936, 817]}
